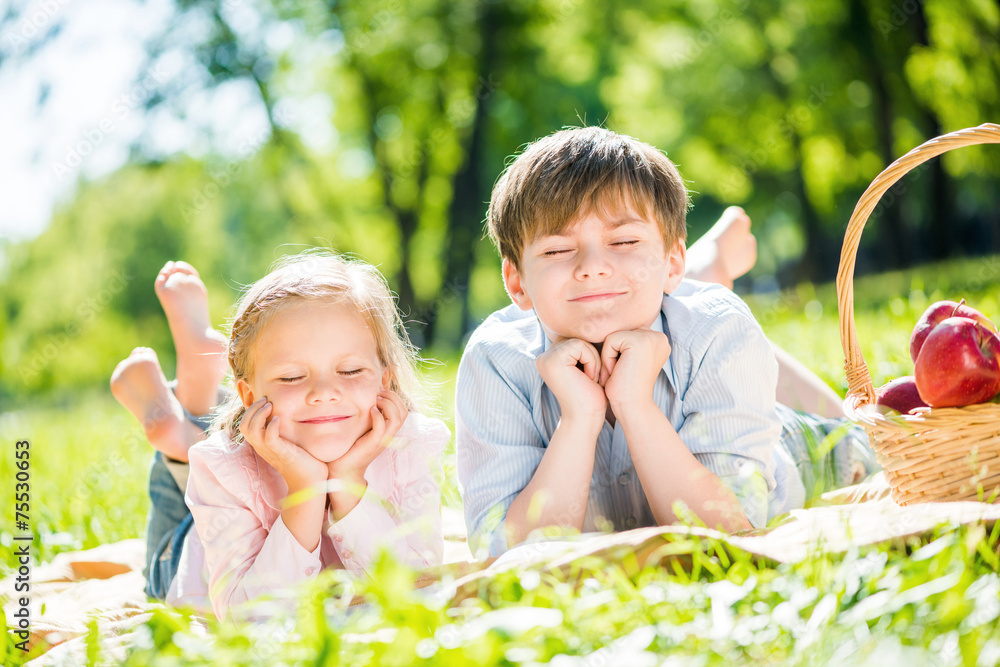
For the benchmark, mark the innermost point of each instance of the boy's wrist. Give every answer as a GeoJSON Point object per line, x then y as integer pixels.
{"type": "Point", "coordinates": [584, 423]}
{"type": "Point", "coordinates": [628, 411]}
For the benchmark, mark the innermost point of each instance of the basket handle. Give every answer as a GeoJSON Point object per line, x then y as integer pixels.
{"type": "Point", "coordinates": [859, 379]}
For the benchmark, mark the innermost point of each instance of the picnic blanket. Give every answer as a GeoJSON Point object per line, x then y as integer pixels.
{"type": "Point", "coordinates": [106, 583]}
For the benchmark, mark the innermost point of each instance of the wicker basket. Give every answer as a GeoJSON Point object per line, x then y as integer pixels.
{"type": "Point", "coordinates": [941, 453]}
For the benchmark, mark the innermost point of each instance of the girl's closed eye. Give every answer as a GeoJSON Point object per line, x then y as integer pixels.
{"type": "Point", "coordinates": [290, 379]}
{"type": "Point", "coordinates": [355, 371]}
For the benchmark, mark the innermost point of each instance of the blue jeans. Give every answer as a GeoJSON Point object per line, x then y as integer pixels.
{"type": "Point", "coordinates": [169, 518]}
{"type": "Point", "coordinates": [827, 452]}
{"type": "Point", "coordinates": [168, 522]}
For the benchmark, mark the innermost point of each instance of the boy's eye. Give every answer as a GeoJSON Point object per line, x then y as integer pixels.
{"type": "Point", "coordinates": [556, 251]}
{"type": "Point", "coordinates": [290, 379]}
{"type": "Point", "coordinates": [626, 243]}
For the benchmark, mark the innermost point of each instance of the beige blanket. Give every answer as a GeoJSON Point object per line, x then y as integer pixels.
{"type": "Point", "coordinates": [106, 583]}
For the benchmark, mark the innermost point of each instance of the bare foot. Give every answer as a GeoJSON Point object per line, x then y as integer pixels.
{"type": "Point", "coordinates": [726, 251]}
{"type": "Point", "coordinates": [140, 386]}
{"type": "Point", "coordinates": [201, 358]}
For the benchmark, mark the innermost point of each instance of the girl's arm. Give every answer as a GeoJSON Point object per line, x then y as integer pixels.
{"type": "Point", "coordinates": [248, 549]}
{"type": "Point", "coordinates": [407, 521]}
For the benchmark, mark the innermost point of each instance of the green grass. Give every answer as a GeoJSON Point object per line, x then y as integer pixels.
{"type": "Point", "coordinates": [930, 601]}
{"type": "Point", "coordinates": [926, 602]}
{"type": "Point", "coordinates": [88, 466]}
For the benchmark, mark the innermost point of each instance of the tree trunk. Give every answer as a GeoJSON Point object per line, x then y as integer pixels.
{"type": "Point", "coordinates": [467, 209]}
{"type": "Point", "coordinates": [813, 264]}
{"type": "Point", "coordinates": [893, 240]}
{"type": "Point", "coordinates": [941, 223]}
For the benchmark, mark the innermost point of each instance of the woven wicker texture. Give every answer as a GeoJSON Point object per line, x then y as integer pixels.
{"type": "Point", "coordinates": [941, 453]}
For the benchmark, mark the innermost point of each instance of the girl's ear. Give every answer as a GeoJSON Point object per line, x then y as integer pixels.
{"type": "Point", "coordinates": [675, 267]}
{"type": "Point", "coordinates": [245, 392]}
{"type": "Point", "coordinates": [514, 283]}
{"type": "Point", "coordinates": [386, 378]}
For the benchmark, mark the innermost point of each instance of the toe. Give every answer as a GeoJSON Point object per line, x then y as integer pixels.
{"type": "Point", "coordinates": [183, 267]}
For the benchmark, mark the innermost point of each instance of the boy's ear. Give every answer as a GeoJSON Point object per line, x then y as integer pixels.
{"type": "Point", "coordinates": [245, 392]}
{"type": "Point", "coordinates": [515, 285]}
{"type": "Point", "coordinates": [675, 267]}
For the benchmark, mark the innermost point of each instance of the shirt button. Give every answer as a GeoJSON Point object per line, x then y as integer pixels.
{"type": "Point", "coordinates": [624, 479]}
{"type": "Point", "coordinates": [310, 570]}
{"type": "Point", "coordinates": [338, 538]}
{"type": "Point", "coordinates": [347, 555]}
{"type": "Point", "coordinates": [630, 522]}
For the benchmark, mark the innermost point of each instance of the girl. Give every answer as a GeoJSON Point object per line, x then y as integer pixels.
{"type": "Point", "coordinates": [320, 459]}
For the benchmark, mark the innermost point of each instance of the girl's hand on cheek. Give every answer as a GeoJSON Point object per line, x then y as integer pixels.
{"type": "Point", "coordinates": [299, 468]}
{"type": "Point", "coordinates": [388, 415]}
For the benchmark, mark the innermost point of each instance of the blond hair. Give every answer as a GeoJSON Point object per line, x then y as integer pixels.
{"type": "Point", "coordinates": [309, 277]}
{"type": "Point", "coordinates": [573, 172]}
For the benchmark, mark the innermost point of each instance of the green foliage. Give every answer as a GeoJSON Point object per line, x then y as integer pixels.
{"type": "Point", "coordinates": [789, 109]}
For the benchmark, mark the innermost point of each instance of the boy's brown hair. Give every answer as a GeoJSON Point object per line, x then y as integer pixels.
{"type": "Point", "coordinates": [573, 172]}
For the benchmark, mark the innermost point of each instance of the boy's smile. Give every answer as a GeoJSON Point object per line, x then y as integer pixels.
{"type": "Point", "coordinates": [600, 275]}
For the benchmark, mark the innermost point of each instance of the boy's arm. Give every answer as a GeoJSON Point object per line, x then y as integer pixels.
{"type": "Point", "coordinates": [730, 424]}
{"type": "Point", "coordinates": [668, 471]}
{"type": "Point", "coordinates": [503, 463]}
{"type": "Point", "coordinates": [560, 488]}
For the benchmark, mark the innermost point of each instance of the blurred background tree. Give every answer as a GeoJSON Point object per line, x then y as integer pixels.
{"type": "Point", "coordinates": [386, 123]}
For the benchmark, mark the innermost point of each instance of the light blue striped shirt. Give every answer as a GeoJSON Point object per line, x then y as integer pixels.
{"type": "Point", "coordinates": [717, 389]}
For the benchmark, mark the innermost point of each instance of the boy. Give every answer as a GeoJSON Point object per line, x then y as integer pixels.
{"type": "Point", "coordinates": [595, 400]}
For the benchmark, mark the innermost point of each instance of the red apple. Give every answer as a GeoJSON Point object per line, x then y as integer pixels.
{"type": "Point", "coordinates": [937, 313]}
{"type": "Point", "coordinates": [959, 364]}
{"type": "Point", "coordinates": [900, 394]}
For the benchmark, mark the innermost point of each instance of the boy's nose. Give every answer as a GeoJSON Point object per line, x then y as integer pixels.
{"type": "Point", "coordinates": [592, 263]}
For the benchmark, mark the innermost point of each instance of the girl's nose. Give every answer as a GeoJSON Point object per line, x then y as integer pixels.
{"type": "Point", "coordinates": [324, 389]}
{"type": "Point", "coordinates": [592, 262]}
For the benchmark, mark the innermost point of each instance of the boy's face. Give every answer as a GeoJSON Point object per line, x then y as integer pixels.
{"type": "Point", "coordinates": [602, 274]}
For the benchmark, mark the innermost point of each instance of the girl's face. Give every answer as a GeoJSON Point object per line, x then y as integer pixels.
{"type": "Point", "coordinates": [318, 366]}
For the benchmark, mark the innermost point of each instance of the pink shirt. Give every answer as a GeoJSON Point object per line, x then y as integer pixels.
{"type": "Point", "coordinates": [240, 549]}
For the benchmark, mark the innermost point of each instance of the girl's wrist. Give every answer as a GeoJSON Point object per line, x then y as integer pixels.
{"type": "Point", "coordinates": [346, 497]}
{"type": "Point", "coordinates": [348, 477]}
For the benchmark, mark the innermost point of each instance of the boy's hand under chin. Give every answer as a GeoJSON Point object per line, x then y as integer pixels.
{"type": "Point", "coordinates": [571, 368]}
{"type": "Point", "coordinates": [630, 363]}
